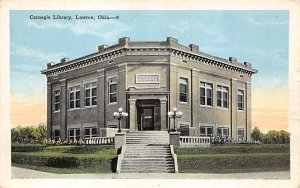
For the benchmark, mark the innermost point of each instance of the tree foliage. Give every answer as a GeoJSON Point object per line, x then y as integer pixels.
{"type": "Point", "coordinates": [271, 137]}
{"type": "Point", "coordinates": [28, 134]}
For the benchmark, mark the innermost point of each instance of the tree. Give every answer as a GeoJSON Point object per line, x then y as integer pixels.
{"type": "Point", "coordinates": [28, 134]}
{"type": "Point", "coordinates": [256, 134]}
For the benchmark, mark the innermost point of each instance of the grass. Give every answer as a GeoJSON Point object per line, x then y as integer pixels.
{"type": "Point", "coordinates": [62, 170]}
{"type": "Point", "coordinates": [234, 158]}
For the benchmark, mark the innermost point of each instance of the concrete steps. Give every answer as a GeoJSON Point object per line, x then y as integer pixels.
{"type": "Point", "coordinates": [147, 152]}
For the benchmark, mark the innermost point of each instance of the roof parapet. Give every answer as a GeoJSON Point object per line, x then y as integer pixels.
{"type": "Point", "coordinates": [124, 40]}
{"type": "Point", "coordinates": [101, 48]}
{"type": "Point", "coordinates": [232, 59]}
{"type": "Point", "coordinates": [64, 60]}
{"type": "Point", "coordinates": [171, 41]}
{"type": "Point", "coordinates": [248, 65]}
{"type": "Point", "coordinates": [194, 47]}
{"type": "Point", "coordinates": [50, 64]}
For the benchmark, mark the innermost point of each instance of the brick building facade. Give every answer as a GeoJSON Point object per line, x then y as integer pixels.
{"type": "Point", "coordinates": [148, 79]}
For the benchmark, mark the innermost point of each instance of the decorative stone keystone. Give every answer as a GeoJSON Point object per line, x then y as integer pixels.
{"type": "Point", "coordinates": [120, 140]}
{"type": "Point", "coordinates": [175, 138]}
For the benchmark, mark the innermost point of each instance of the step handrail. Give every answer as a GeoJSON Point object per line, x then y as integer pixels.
{"type": "Point", "coordinates": [174, 158]}
{"type": "Point", "coordinates": [120, 158]}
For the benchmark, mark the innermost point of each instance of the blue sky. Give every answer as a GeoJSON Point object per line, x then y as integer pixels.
{"type": "Point", "coordinates": [259, 37]}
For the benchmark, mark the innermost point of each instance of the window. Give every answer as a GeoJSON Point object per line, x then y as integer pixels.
{"type": "Point", "coordinates": [240, 100]}
{"type": "Point", "coordinates": [112, 90]}
{"type": "Point", "coordinates": [90, 132]}
{"type": "Point", "coordinates": [56, 134]}
{"type": "Point", "coordinates": [90, 94]}
{"type": "Point", "coordinates": [240, 134]}
{"type": "Point", "coordinates": [183, 83]}
{"type": "Point", "coordinates": [223, 131]}
{"type": "Point", "coordinates": [56, 101]}
{"type": "Point", "coordinates": [74, 134]}
{"type": "Point", "coordinates": [74, 97]}
{"type": "Point", "coordinates": [206, 131]}
{"type": "Point", "coordinates": [222, 97]}
{"type": "Point", "coordinates": [205, 94]}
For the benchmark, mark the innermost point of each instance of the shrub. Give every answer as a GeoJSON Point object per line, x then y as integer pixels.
{"type": "Point", "coordinates": [27, 147]}
{"type": "Point", "coordinates": [234, 163]}
{"type": "Point", "coordinates": [220, 149]}
{"type": "Point", "coordinates": [28, 134]}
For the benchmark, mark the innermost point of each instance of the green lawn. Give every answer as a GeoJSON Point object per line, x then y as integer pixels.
{"type": "Point", "coordinates": [234, 158]}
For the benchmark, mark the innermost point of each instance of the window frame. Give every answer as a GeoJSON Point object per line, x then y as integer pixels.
{"type": "Point", "coordinates": [240, 93]}
{"type": "Point", "coordinates": [56, 94]}
{"type": "Point", "coordinates": [222, 89]}
{"type": "Point", "coordinates": [222, 132]}
{"type": "Point", "coordinates": [74, 90]}
{"type": "Point", "coordinates": [186, 84]}
{"type": "Point", "coordinates": [206, 128]}
{"type": "Point", "coordinates": [89, 87]}
{"type": "Point", "coordinates": [90, 135]}
{"type": "Point", "coordinates": [112, 81]}
{"type": "Point", "coordinates": [240, 136]}
{"type": "Point", "coordinates": [75, 136]}
{"type": "Point", "coordinates": [55, 137]}
{"type": "Point", "coordinates": [206, 86]}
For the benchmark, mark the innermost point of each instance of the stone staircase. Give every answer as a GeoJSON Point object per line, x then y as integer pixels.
{"type": "Point", "coordinates": [147, 152]}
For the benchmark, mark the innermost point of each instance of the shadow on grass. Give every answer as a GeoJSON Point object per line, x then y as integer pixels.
{"type": "Point", "coordinates": [113, 164]}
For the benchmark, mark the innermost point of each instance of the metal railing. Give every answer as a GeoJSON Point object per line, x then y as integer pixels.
{"type": "Point", "coordinates": [99, 141]}
{"type": "Point", "coordinates": [191, 141]}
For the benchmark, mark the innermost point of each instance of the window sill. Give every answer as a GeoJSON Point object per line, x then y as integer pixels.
{"type": "Point", "coordinates": [87, 107]}
{"type": "Point", "coordinates": [74, 109]}
{"type": "Point", "coordinates": [220, 108]}
{"type": "Point", "coordinates": [56, 112]}
{"type": "Point", "coordinates": [206, 106]}
{"type": "Point", "coordinates": [112, 103]}
{"type": "Point", "coordinates": [241, 111]}
{"type": "Point", "coordinates": [184, 103]}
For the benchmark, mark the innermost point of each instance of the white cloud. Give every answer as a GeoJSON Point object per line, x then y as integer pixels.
{"type": "Point", "coordinates": [182, 27]}
{"type": "Point", "coordinates": [104, 30]}
{"type": "Point", "coordinates": [35, 55]}
{"type": "Point", "coordinates": [268, 22]}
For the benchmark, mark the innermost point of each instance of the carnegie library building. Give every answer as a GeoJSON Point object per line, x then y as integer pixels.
{"type": "Point", "coordinates": [147, 79]}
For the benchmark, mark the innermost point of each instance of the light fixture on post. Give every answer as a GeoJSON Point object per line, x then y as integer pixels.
{"type": "Point", "coordinates": [120, 115]}
{"type": "Point", "coordinates": [175, 114]}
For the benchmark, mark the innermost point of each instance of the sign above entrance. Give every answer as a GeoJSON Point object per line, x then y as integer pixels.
{"type": "Point", "coordinates": [147, 79]}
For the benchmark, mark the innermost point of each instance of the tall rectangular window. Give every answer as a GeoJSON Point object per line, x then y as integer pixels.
{"type": "Point", "coordinates": [90, 132]}
{"type": "Point", "coordinates": [112, 90]}
{"type": "Point", "coordinates": [206, 131]}
{"type": "Point", "coordinates": [205, 94]}
{"type": "Point", "coordinates": [74, 97]}
{"type": "Point", "coordinates": [56, 101]}
{"type": "Point", "coordinates": [240, 134]}
{"type": "Point", "coordinates": [240, 100]}
{"type": "Point", "coordinates": [90, 94]}
{"type": "Point", "coordinates": [74, 134]}
{"type": "Point", "coordinates": [183, 90]}
{"type": "Point", "coordinates": [222, 96]}
{"type": "Point", "coordinates": [56, 134]}
{"type": "Point", "coordinates": [223, 131]}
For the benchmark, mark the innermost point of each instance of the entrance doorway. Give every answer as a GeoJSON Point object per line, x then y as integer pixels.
{"type": "Point", "coordinates": [148, 114]}
{"type": "Point", "coordinates": [147, 118]}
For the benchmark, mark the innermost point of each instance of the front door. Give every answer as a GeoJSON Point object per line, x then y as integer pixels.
{"type": "Point", "coordinates": [147, 118]}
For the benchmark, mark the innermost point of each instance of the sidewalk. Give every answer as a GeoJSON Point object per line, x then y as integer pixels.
{"type": "Point", "coordinates": [22, 173]}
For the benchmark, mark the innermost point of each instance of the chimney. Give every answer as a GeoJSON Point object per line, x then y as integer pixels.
{"type": "Point", "coordinates": [247, 64]}
{"type": "Point", "coordinates": [124, 40]}
{"type": "Point", "coordinates": [101, 48]}
{"type": "Point", "coordinates": [171, 41]}
{"type": "Point", "coordinates": [194, 48]}
{"type": "Point", "coordinates": [50, 64]}
{"type": "Point", "coordinates": [232, 59]}
{"type": "Point", "coordinates": [64, 60]}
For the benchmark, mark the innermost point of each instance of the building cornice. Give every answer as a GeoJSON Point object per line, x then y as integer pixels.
{"type": "Point", "coordinates": [103, 56]}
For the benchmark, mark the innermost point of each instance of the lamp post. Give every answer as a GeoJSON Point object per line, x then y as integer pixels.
{"type": "Point", "coordinates": [120, 115]}
{"type": "Point", "coordinates": [175, 114]}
